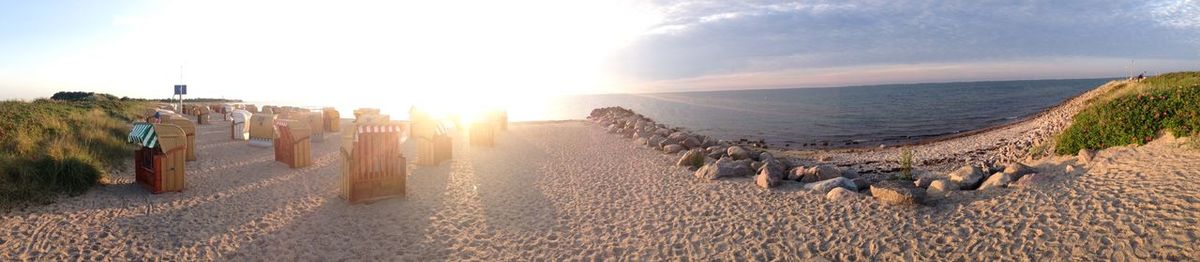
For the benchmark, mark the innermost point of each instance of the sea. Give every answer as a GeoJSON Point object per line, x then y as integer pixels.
{"type": "Point", "coordinates": [854, 116]}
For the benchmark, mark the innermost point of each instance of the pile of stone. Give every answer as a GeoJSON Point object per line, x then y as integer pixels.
{"type": "Point", "coordinates": [645, 131]}
{"type": "Point", "coordinates": [711, 160]}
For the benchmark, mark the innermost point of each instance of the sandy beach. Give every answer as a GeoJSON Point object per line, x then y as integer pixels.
{"type": "Point", "coordinates": [569, 191]}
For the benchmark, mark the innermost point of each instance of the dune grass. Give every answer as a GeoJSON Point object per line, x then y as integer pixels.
{"type": "Point", "coordinates": [1134, 113]}
{"type": "Point", "coordinates": [54, 147]}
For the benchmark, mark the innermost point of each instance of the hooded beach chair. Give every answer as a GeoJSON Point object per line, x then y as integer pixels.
{"type": "Point", "coordinates": [262, 129]}
{"type": "Point", "coordinates": [373, 166]}
{"type": "Point", "coordinates": [189, 128]}
{"type": "Point", "coordinates": [293, 146]}
{"type": "Point", "coordinates": [159, 162]}
{"type": "Point", "coordinates": [316, 125]}
{"type": "Point", "coordinates": [333, 120]}
{"type": "Point", "coordinates": [239, 129]}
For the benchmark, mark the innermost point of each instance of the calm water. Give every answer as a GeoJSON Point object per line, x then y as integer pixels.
{"type": "Point", "coordinates": [866, 115]}
{"type": "Point", "coordinates": [869, 115]}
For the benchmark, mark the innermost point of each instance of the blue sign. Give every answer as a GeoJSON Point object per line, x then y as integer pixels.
{"type": "Point", "coordinates": [180, 89]}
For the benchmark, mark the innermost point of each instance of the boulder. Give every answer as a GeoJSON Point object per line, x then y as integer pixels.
{"type": "Point", "coordinates": [673, 148]}
{"type": "Point", "coordinates": [1030, 180]}
{"type": "Point", "coordinates": [723, 167]}
{"type": "Point", "coordinates": [612, 129]}
{"type": "Point", "coordinates": [967, 177]}
{"type": "Point", "coordinates": [677, 137]}
{"type": "Point", "coordinates": [825, 185]}
{"type": "Point", "coordinates": [1085, 156]}
{"type": "Point", "coordinates": [923, 182]}
{"type": "Point", "coordinates": [654, 141]}
{"type": "Point", "coordinates": [997, 180]}
{"type": "Point", "coordinates": [839, 194]}
{"type": "Point", "coordinates": [662, 131]}
{"type": "Point", "coordinates": [691, 142]}
{"type": "Point", "coordinates": [766, 179]}
{"type": "Point", "coordinates": [897, 193]}
{"type": "Point", "coordinates": [694, 157]}
{"type": "Point", "coordinates": [940, 186]}
{"type": "Point", "coordinates": [1016, 170]}
{"type": "Point", "coordinates": [738, 152]}
{"type": "Point", "coordinates": [711, 149]}
{"type": "Point", "coordinates": [861, 182]}
{"type": "Point", "coordinates": [796, 173]}
{"type": "Point", "coordinates": [819, 173]}
{"type": "Point", "coordinates": [640, 141]}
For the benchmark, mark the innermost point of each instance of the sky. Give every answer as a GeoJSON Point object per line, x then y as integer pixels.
{"type": "Point", "coordinates": [321, 52]}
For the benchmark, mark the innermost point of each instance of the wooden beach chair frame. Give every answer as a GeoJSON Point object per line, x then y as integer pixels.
{"type": "Point", "coordinates": [293, 146]}
{"type": "Point", "coordinates": [189, 128]}
{"type": "Point", "coordinates": [160, 166]}
{"type": "Point", "coordinates": [373, 165]}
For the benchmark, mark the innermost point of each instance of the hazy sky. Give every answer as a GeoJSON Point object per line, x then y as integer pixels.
{"type": "Point", "coordinates": [378, 50]}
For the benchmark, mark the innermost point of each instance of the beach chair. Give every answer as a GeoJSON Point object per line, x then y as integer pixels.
{"type": "Point", "coordinates": [262, 130]}
{"type": "Point", "coordinates": [189, 128]}
{"type": "Point", "coordinates": [159, 162]}
{"type": "Point", "coordinates": [316, 125]}
{"type": "Point", "coordinates": [434, 148]}
{"type": "Point", "coordinates": [239, 129]}
{"type": "Point", "coordinates": [500, 120]}
{"type": "Point", "coordinates": [333, 120]}
{"type": "Point", "coordinates": [373, 166]}
{"type": "Point", "coordinates": [293, 146]}
{"type": "Point", "coordinates": [483, 133]}
{"type": "Point", "coordinates": [252, 109]}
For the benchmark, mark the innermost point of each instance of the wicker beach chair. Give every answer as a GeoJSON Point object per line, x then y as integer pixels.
{"type": "Point", "coordinates": [159, 162]}
{"type": "Point", "coordinates": [373, 166]}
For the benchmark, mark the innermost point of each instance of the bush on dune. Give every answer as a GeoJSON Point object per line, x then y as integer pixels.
{"type": "Point", "coordinates": [54, 147]}
{"type": "Point", "coordinates": [1135, 113]}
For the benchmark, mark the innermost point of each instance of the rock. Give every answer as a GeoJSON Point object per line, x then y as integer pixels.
{"type": "Point", "coordinates": [723, 167]}
{"type": "Point", "coordinates": [839, 194]}
{"type": "Point", "coordinates": [672, 148]}
{"type": "Point", "coordinates": [897, 193]}
{"type": "Point", "coordinates": [662, 132]}
{"type": "Point", "coordinates": [940, 186]}
{"type": "Point", "coordinates": [694, 157]}
{"type": "Point", "coordinates": [796, 173]}
{"type": "Point", "coordinates": [1030, 180]}
{"type": "Point", "coordinates": [776, 166]}
{"type": "Point", "coordinates": [654, 141]}
{"type": "Point", "coordinates": [766, 179]}
{"type": "Point", "coordinates": [821, 172]}
{"type": "Point", "coordinates": [825, 185]}
{"type": "Point", "coordinates": [861, 182]}
{"type": "Point", "coordinates": [738, 152]}
{"type": "Point", "coordinates": [640, 141]}
{"type": "Point", "coordinates": [1070, 169]}
{"type": "Point", "coordinates": [756, 165]}
{"type": "Point", "coordinates": [1016, 170]}
{"type": "Point", "coordinates": [691, 142]}
{"type": "Point", "coordinates": [998, 180]}
{"type": "Point", "coordinates": [712, 149]}
{"type": "Point", "coordinates": [677, 137]}
{"type": "Point", "coordinates": [923, 182]}
{"type": "Point", "coordinates": [967, 177]}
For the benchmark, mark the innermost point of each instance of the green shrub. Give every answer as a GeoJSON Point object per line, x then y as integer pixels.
{"type": "Point", "coordinates": [54, 147]}
{"type": "Point", "coordinates": [906, 160]}
{"type": "Point", "coordinates": [1168, 102]}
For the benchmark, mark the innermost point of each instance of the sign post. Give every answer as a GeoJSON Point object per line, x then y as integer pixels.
{"type": "Point", "coordinates": [180, 90]}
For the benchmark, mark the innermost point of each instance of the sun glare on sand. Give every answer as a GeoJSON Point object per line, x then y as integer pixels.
{"type": "Point", "coordinates": [446, 56]}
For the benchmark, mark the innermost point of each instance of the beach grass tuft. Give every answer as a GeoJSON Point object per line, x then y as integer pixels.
{"type": "Point", "coordinates": [906, 160]}
{"type": "Point", "coordinates": [65, 146]}
{"type": "Point", "coordinates": [1135, 113]}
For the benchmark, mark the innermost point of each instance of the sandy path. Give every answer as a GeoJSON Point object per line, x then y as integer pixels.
{"type": "Point", "coordinates": [567, 190]}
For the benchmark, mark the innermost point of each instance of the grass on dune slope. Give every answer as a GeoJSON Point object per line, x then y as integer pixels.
{"type": "Point", "coordinates": [1134, 112]}
{"type": "Point", "coordinates": [56, 147]}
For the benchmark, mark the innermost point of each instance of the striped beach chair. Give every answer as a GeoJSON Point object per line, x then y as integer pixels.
{"type": "Point", "coordinates": [159, 162]}
{"type": "Point", "coordinates": [373, 166]}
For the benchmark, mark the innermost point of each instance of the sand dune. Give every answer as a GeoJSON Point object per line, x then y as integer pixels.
{"type": "Point", "coordinates": [567, 190]}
